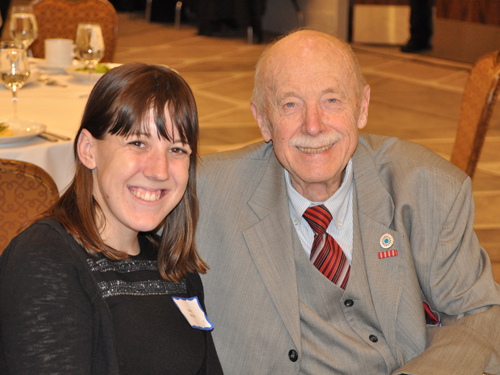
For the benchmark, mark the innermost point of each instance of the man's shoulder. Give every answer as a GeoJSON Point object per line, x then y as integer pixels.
{"type": "Point", "coordinates": [386, 151]}
{"type": "Point", "coordinates": [254, 151]}
{"type": "Point", "coordinates": [244, 161]}
{"type": "Point", "coordinates": [237, 172]}
{"type": "Point", "coordinates": [381, 146]}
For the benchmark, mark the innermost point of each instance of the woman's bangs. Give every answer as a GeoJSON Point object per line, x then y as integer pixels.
{"type": "Point", "coordinates": [132, 116]}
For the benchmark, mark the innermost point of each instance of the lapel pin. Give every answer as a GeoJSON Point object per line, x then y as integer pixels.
{"type": "Point", "coordinates": [387, 254]}
{"type": "Point", "coordinates": [386, 241]}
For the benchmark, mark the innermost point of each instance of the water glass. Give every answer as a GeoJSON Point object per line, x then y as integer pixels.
{"type": "Point", "coordinates": [14, 68]}
{"type": "Point", "coordinates": [23, 26]}
{"type": "Point", "coordinates": [89, 45]}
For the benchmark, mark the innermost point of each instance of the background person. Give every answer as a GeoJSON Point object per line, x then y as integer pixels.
{"type": "Point", "coordinates": [421, 26]}
{"type": "Point", "coordinates": [288, 298]}
{"type": "Point", "coordinates": [88, 288]}
{"type": "Point", "coordinates": [4, 12]}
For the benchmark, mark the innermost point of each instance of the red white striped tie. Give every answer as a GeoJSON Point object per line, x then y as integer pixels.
{"type": "Point", "coordinates": [326, 254]}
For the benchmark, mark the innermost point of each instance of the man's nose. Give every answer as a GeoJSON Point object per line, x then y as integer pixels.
{"type": "Point", "coordinates": [312, 122]}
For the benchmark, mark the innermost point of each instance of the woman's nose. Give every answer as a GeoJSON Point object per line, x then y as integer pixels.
{"type": "Point", "coordinates": [157, 167]}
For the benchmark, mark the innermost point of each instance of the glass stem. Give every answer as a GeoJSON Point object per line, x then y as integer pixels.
{"type": "Point", "coordinates": [14, 100]}
{"type": "Point", "coordinates": [90, 75]}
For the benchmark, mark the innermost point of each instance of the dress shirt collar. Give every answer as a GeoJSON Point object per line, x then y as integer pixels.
{"type": "Point", "coordinates": [337, 204]}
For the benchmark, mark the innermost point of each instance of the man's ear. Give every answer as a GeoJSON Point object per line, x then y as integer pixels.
{"type": "Point", "coordinates": [363, 111]}
{"type": "Point", "coordinates": [85, 149]}
{"type": "Point", "coordinates": [263, 124]}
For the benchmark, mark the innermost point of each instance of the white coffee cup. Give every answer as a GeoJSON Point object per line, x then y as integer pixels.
{"type": "Point", "coordinates": [59, 52]}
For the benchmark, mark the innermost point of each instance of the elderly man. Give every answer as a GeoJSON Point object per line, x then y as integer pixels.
{"type": "Point", "coordinates": [334, 252]}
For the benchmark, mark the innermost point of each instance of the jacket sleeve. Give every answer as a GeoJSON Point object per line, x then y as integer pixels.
{"type": "Point", "coordinates": [459, 286]}
{"type": "Point", "coordinates": [46, 318]}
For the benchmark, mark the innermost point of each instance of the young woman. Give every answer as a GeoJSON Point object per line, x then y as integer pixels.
{"type": "Point", "coordinates": [89, 288]}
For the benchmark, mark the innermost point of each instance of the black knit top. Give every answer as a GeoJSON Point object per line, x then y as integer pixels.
{"type": "Point", "coordinates": [64, 312]}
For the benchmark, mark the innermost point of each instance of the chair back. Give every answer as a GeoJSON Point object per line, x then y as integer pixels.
{"type": "Point", "coordinates": [26, 190]}
{"type": "Point", "coordinates": [60, 19]}
{"type": "Point", "coordinates": [478, 101]}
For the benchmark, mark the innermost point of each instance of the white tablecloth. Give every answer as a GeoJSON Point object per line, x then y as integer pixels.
{"type": "Point", "coordinates": [60, 109]}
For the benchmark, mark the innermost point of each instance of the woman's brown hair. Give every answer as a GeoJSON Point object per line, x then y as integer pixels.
{"type": "Point", "coordinates": [119, 104]}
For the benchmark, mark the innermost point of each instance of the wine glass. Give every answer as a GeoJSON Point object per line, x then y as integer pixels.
{"type": "Point", "coordinates": [89, 45]}
{"type": "Point", "coordinates": [23, 26]}
{"type": "Point", "coordinates": [14, 68]}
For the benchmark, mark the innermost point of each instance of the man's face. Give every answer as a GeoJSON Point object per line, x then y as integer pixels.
{"type": "Point", "coordinates": [313, 114]}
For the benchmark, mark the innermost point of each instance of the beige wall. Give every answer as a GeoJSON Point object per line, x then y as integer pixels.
{"type": "Point", "coordinates": [381, 24]}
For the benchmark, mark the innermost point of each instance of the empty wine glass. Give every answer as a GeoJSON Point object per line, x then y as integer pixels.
{"type": "Point", "coordinates": [14, 68]}
{"type": "Point", "coordinates": [23, 26]}
{"type": "Point", "coordinates": [89, 45]}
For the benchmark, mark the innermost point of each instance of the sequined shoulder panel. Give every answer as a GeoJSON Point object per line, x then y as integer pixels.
{"type": "Point", "coordinates": [153, 285]}
{"type": "Point", "coordinates": [141, 288]}
{"type": "Point", "coordinates": [123, 266]}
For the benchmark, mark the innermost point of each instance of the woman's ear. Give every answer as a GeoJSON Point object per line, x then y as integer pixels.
{"type": "Point", "coordinates": [85, 149]}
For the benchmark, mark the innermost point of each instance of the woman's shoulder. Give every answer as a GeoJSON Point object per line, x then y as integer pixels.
{"type": "Point", "coordinates": [44, 241]}
{"type": "Point", "coordinates": [194, 284]}
{"type": "Point", "coordinates": [39, 233]}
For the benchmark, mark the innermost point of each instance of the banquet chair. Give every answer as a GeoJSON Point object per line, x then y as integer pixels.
{"type": "Point", "coordinates": [60, 18]}
{"type": "Point", "coordinates": [478, 101]}
{"type": "Point", "coordinates": [26, 190]}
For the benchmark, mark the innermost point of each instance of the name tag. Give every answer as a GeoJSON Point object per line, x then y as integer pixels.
{"type": "Point", "coordinates": [194, 314]}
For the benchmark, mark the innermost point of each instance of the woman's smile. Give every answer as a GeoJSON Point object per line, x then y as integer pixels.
{"type": "Point", "coordinates": [146, 194]}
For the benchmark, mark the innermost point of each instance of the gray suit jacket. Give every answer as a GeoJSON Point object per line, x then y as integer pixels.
{"type": "Point", "coordinates": [246, 236]}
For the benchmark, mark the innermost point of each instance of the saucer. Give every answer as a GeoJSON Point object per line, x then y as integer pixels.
{"type": "Point", "coordinates": [42, 64]}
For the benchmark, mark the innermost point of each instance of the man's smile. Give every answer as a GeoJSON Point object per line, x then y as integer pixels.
{"type": "Point", "coordinates": [310, 150]}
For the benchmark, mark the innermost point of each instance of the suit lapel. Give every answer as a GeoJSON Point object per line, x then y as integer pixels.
{"type": "Point", "coordinates": [375, 213]}
{"type": "Point", "coordinates": [271, 247]}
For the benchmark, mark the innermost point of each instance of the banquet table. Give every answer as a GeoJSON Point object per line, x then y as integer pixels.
{"type": "Point", "coordinates": [60, 109]}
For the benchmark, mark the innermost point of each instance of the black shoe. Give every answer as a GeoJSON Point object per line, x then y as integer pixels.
{"type": "Point", "coordinates": [412, 47]}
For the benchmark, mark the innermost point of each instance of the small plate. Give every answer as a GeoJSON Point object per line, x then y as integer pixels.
{"type": "Point", "coordinates": [23, 131]}
{"type": "Point", "coordinates": [42, 64]}
{"type": "Point", "coordinates": [83, 76]}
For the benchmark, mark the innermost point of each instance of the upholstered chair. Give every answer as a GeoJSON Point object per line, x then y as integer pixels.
{"type": "Point", "coordinates": [26, 190]}
{"type": "Point", "coordinates": [60, 19]}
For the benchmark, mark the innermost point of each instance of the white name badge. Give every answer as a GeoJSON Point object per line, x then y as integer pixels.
{"type": "Point", "coordinates": [194, 314]}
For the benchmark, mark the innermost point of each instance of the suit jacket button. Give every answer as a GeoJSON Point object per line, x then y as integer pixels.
{"type": "Point", "coordinates": [348, 302]}
{"type": "Point", "coordinates": [373, 338]}
{"type": "Point", "coordinates": [293, 355]}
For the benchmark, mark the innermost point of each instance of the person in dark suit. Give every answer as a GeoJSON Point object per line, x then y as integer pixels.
{"type": "Point", "coordinates": [421, 26]}
{"type": "Point", "coordinates": [4, 11]}
{"type": "Point", "coordinates": [339, 252]}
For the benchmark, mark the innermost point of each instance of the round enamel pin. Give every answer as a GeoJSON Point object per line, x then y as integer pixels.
{"type": "Point", "coordinates": [386, 241]}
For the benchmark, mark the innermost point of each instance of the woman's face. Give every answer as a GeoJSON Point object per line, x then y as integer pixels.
{"type": "Point", "coordinates": [138, 180]}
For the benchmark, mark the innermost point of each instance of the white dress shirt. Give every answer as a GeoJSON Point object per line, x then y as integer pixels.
{"type": "Point", "coordinates": [339, 205]}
